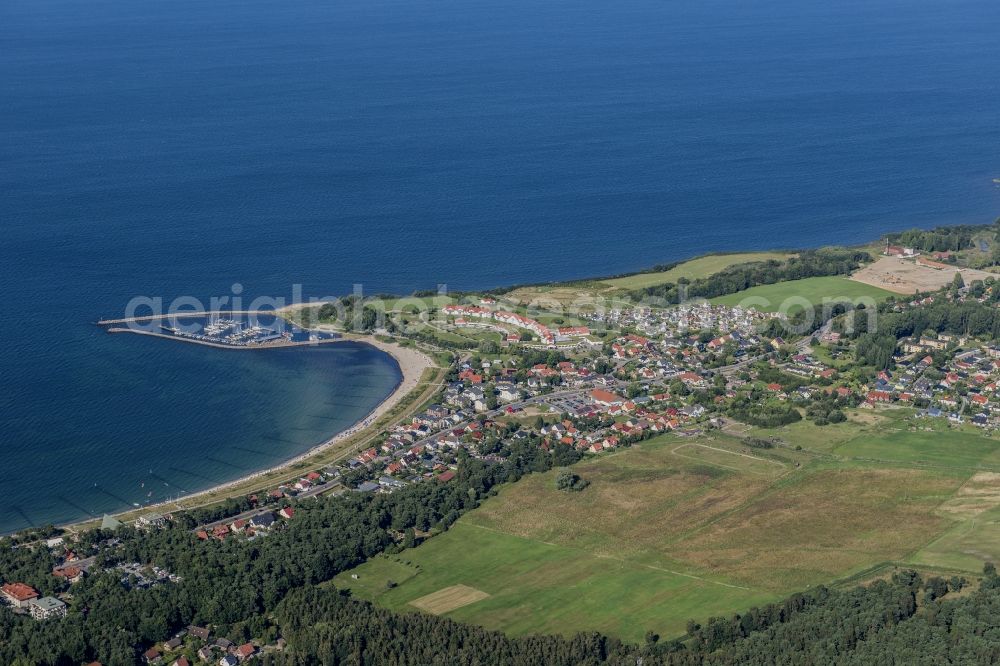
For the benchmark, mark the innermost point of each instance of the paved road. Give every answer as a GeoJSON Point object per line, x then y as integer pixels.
{"type": "Point", "coordinates": [318, 489]}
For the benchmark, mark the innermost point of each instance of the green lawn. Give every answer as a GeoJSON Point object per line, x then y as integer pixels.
{"type": "Point", "coordinates": [824, 354]}
{"type": "Point", "coordinates": [967, 545]}
{"type": "Point", "coordinates": [415, 303]}
{"type": "Point", "coordinates": [537, 587]}
{"type": "Point", "coordinates": [790, 295]}
{"type": "Point", "coordinates": [948, 449]}
{"type": "Point", "coordinates": [481, 334]}
{"type": "Point", "coordinates": [694, 269]}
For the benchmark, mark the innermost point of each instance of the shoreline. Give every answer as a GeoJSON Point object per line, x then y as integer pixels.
{"type": "Point", "coordinates": [412, 364]}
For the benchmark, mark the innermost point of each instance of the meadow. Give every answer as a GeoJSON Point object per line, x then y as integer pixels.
{"type": "Point", "coordinates": [563, 296]}
{"type": "Point", "coordinates": [685, 528]}
{"type": "Point", "coordinates": [694, 269]}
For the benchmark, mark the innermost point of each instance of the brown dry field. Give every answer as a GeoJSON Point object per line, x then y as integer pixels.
{"type": "Point", "coordinates": [782, 531]}
{"type": "Point", "coordinates": [905, 276]}
{"type": "Point", "coordinates": [818, 525]}
{"type": "Point", "coordinates": [977, 495]}
{"type": "Point", "coordinates": [448, 599]}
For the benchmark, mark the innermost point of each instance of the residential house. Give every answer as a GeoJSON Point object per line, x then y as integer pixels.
{"type": "Point", "coordinates": [263, 521]}
{"type": "Point", "coordinates": [879, 396]}
{"type": "Point", "coordinates": [201, 633]}
{"type": "Point", "coordinates": [245, 651]}
{"type": "Point", "coordinates": [69, 573]}
{"type": "Point", "coordinates": [18, 595]}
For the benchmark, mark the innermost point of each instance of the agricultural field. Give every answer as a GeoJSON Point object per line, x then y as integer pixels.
{"type": "Point", "coordinates": [770, 297]}
{"type": "Point", "coordinates": [679, 528]}
{"type": "Point", "coordinates": [694, 269]}
{"type": "Point", "coordinates": [571, 296]}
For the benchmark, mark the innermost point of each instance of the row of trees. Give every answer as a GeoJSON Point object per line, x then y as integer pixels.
{"type": "Point", "coordinates": [942, 316]}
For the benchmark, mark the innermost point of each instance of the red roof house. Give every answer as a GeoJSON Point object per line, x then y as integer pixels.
{"type": "Point", "coordinates": [19, 594]}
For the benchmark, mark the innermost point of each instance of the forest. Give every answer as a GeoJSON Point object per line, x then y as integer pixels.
{"type": "Point", "coordinates": [233, 585]}
{"type": "Point", "coordinates": [941, 239]}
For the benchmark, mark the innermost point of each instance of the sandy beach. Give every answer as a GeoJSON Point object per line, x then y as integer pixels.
{"type": "Point", "coordinates": [412, 364]}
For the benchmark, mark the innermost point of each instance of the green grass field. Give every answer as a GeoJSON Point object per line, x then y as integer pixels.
{"type": "Point", "coordinates": [771, 297]}
{"type": "Point", "coordinates": [967, 545]}
{"type": "Point", "coordinates": [535, 586]}
{"type": "Point", "coordinates": [680, 528]}
{"type": "Point", "coordinates": [696, 268]}
{"type": "Point", "coordinates": [955, 449]}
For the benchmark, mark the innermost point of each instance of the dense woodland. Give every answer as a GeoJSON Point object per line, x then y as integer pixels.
{"type": "Point", "coordinates": [941, 239]}
{"type": "Point", "coordinates": [234, 584]}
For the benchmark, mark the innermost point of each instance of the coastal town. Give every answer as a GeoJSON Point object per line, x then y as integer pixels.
{"type": "Point", "coordinates": [588, 387]}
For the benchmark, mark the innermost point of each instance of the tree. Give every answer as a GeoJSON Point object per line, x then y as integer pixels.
{"type": "Point", "coordinates": [957, 284]}
{"type": "Point", "coordinates": [567, 480]}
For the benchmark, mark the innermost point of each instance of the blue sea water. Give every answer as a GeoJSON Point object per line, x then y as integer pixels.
{"type": "Point", "coordinates": [176, 148]}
